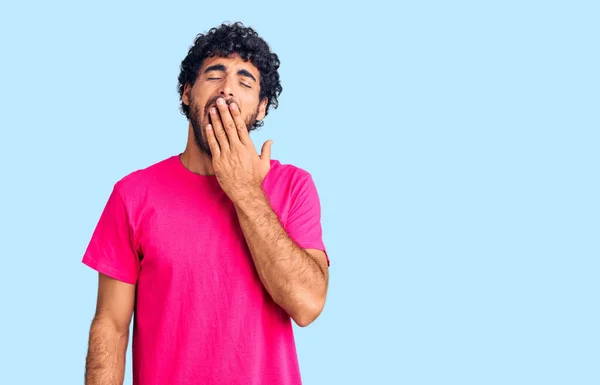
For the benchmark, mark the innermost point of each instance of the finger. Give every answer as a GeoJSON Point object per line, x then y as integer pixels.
{"type": "Point", "coordinates": [213, 144]}
{"type": "Point", "coordinates": [242, 130]}
{"type": "Point", "coordinates": [265, 153]}
{"type": "Point", "coordinates": [228, 123]}
{"type": "Point", "coordinates": [218, 129]}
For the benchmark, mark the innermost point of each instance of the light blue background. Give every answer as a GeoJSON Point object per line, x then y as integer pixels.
{"type": "Point", "coordinates": [454, 145]}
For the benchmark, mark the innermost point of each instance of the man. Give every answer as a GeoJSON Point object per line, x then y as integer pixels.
{"type": "Point", "coordinates": [213, 249]}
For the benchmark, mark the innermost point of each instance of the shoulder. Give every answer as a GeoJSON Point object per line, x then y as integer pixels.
{"type": "Point", "coordinates": [141, 179]}
{"type": "Point", "coordinates": [288, 180]}
{"type": "Point", "coordinates": [288, 172]}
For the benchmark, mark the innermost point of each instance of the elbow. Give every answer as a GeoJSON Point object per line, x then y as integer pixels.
{"type": "Point", "coordinates": [308, 312]}
{"type": "Point", "coordinates": [304, 321]}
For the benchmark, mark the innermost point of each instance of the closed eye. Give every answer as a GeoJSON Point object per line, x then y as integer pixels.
{"type": "Point", "coordinates": [246, 85]}
{"type": "Point", "coordinates": [213, 78]}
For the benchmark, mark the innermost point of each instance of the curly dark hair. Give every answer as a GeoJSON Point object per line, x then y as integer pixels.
{"type": "Point", "coordinates": [226, 40]}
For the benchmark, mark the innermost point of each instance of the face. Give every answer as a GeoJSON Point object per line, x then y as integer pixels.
{"type": "Point", "coordinates": [230, 78]}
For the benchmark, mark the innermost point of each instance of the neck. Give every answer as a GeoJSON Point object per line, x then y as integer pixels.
{"type": "Point", "coordinates": [194, 159]}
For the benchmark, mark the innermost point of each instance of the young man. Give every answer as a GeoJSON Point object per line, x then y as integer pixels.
{"type": "Point", "coordinates": [213, 249]}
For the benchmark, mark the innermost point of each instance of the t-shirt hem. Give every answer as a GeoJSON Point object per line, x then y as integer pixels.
{"type": "Point", "coordinates": [316, 247]}
{"type": "Point", "coordinates": [107, 270]}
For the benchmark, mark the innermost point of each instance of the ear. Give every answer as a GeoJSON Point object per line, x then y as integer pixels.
{"type": "Point", "coordinates": [262, 108]}
{"type": "Point", "coordinates": [185, 98]}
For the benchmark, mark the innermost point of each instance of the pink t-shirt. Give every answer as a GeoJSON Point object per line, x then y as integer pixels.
{"type": "Point", "coordinates": [202, 315]}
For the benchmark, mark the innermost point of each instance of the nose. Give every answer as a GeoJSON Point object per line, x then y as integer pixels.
{"type": "Point", "coordinates": [226, 89]}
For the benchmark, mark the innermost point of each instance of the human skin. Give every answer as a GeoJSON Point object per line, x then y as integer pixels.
{"type": "Point", "coordinates": [296, 278]}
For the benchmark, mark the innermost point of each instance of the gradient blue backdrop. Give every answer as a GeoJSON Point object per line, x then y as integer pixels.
{"type": "Point", "coordinates": [454, 146]}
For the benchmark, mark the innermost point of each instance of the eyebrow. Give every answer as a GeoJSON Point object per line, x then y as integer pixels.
{"type": "Point", "coordinates": [222, 68]}
{"type": "Point", "coordinates": [246, 73]}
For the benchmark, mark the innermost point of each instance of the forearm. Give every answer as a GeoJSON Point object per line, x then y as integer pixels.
{"type": "Point", "coordinates": [105, 362]}
{"type": "Point", "coordinates": [292, 277]}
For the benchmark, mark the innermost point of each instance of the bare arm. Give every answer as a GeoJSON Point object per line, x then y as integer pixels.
{"type": "Point", "coordinates": [109, 332]}
{"type": "Point", "coordinates": [295, 278]}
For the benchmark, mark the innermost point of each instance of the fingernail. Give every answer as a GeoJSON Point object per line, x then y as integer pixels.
{"type": "Point", "coordinates": [233, 106]}
{"type": "Point", "coordinates": [208, 127]}
{"type": "Point", "coordinates": [213, 110]}
{"type": "Point", "coordinates": [220, 101]}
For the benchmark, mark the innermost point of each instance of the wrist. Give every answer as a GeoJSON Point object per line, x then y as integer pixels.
{"type": "Point", "coordinates": [249, 197]}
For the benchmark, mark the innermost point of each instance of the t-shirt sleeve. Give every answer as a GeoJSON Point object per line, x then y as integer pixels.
{"type": "Point", "coordinates": [111, 250]}
{"type": "Point", "coordinates": [303, 224]}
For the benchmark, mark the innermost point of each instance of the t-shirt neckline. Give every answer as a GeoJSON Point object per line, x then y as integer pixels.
{"type": "Point", "coordinates": [185, 171]}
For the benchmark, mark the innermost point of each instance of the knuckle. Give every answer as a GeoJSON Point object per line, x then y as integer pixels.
{"type": "Point", "coordinates": [221, 134]}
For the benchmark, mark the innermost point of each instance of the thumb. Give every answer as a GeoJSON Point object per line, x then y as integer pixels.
{"type": "Point", "coordinates": [265, 153]}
